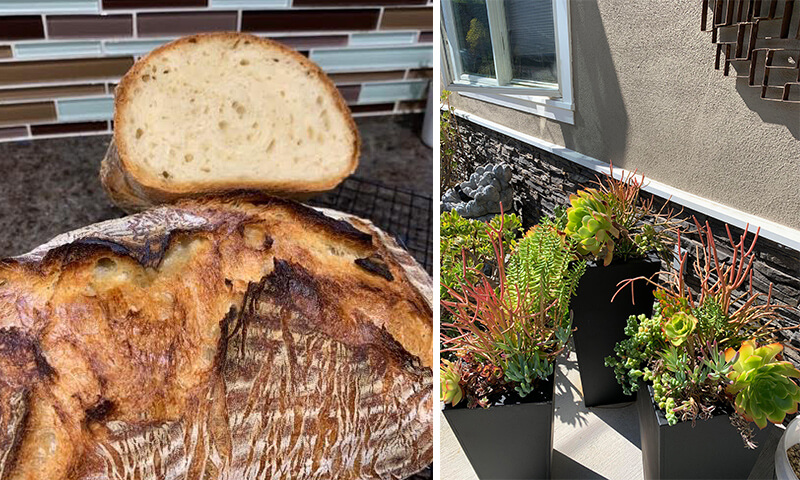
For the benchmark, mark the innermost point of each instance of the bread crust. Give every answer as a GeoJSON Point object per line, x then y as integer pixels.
{"type": "Point", "coordinates": [134, 189]}
{"type": "Point", "coordinates": [186, 336]}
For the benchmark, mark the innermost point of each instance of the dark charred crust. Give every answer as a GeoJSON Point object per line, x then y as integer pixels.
{"type": "Point", "coordinates": [340, 228]}
{"type": "Point", "coordinates": [293, 287]}
{"type": "Point", "coordinates": [376, 266]}
{"type": "Point", "coordinates": [222, 343]}
{"type": "Point", "coordinates": [23, 351]}
{"type": "Point", "coordinates": [148, 254]}
{"type": "Point", "coordinates": [268, 242]}
{"type": "Point", "coordinates": [99, 411]}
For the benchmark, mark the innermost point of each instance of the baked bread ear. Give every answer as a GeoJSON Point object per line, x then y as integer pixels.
{"type": "Point", "coordinates": [217, 112]}
{"type": "Point", "coordinates": [216, 339]}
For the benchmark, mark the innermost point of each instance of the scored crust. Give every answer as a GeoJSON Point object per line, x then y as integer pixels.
{"type": "Point", "coordinates": [136, 188]}
{"type": "Point", "coordinates": [219, 336]}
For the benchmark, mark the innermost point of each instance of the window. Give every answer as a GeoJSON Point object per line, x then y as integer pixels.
{"type": "Point", "coordinates": [511, 52]}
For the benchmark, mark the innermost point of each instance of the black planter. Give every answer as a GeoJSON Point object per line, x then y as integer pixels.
{"type": "Point", "coordinates": [512, 441]}
{"type": "Point", "coordinates": [600, 323]}
{"type": "Point", "coordinates": [711, 449]}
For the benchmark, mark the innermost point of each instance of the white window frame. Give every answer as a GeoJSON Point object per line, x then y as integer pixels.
{"type": "Point", "coordinates": [554, 103]}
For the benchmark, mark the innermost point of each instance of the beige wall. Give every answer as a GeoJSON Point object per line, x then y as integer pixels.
{"type": "Point", "coordinates": [647, 97]}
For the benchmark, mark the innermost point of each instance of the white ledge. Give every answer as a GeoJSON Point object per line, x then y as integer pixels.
{"type": "Point", "coordinates": [776, 232]}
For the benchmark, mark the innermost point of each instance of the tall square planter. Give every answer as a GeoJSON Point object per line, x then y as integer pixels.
{"type": "Point", "coordinates": [711, 449]}
{"type": "Point", "coordinates": [511, 441]}
{"type": "Point", "coordinates": [600, 323]}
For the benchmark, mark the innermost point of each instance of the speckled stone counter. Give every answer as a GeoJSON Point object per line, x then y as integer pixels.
{"type": "Point", "coordinates": [48, 187]}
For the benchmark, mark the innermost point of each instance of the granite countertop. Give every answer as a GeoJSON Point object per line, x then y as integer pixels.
{"type": "Point", "coordinates": [51, 186]}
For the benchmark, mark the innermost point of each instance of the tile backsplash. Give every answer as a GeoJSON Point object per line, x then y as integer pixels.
{"type": "Point", "coordinates": [61, 59]}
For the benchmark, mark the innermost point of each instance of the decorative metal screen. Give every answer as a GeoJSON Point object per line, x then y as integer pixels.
{"type": "Point", "coordinates": [761, 39]}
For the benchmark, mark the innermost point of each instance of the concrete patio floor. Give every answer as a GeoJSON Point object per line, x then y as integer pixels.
{"type": "Point", "coordinates": [601, 442]}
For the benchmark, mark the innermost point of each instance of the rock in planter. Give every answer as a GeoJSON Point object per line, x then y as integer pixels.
{"type": "Point", "coordinates": [481, 196]}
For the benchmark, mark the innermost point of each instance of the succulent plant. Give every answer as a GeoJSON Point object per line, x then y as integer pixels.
{"type": "Point", "coordinates": [678, 328]}
{"type": "Point", "coordinates": [590, 223]}
{"type": "Point", "coordinates": [450, 387]}
{"type": "Point", "coordinates": [763, 386]}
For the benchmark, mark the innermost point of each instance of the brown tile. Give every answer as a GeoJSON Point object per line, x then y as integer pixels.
{"type": "Point", "coordinates": [402, 18]}
{"type": "Point", "coordinates": [77, 26]}
{"type": "Point", "coordinates": [55, 70]}
{"type": "Point", "coordinates": [23, 27]}
{"type": "Point", "coordinates": [5, 51]}
{"type": "Point", "coordinates": [377, 107]}
{"type": "Point", "coordinates": [13, 132]}
{"type": "Point", "coordinates": [133, 4]}
{"type": "Point", "coordinates": [52, 92]}
{"type": "Point", "coordinates": [350, 93]}
{"type": "Point", "coordinates": [157, 24]}
{"type": "Point", "coordinates": [426, 73]}
{"type": "Point", "coordinates": [359, 77]}
{"type": "Point", "coordinates": [309, 20]}
{"type": "Point", "coordinates": [27, 112]}
{"type": "Point", "coordinates": [411, 106]}
{"type": "Point", "coordinates": [56, 128]}
{"type": "Point", "coordinates": [425, 37]}
{"type": "Point", "coordinates": [355, 3]}
{"type": "Point", "coordinates": [313, 41]}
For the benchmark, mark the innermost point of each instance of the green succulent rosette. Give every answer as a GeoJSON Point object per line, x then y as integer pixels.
{"type": "Point", "coordinates": [763, 387]}
{"type": "Point", "coordinates": [679, 327]}
{"type": "Point", "coordinates": [589, 222]}
{"type": "Point", "coordinates": [450, 390]}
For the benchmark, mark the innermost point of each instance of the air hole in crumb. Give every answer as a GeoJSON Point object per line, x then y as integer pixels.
{"type": "Point", "coordinates": [165, 72]}
{"type": "Point", "coordinates": [106, 263]}
{"type": "Point", "coordinates": [310, 131]}
{"type": "Point", "coordinates": [319, 99]}
{"type": "Point", "coordinates": [165, 174]}
{"type": "Point", "coordinates": [244, 62]}
{"type": "Point", "coordinates": [271, 145]}
{"type": "Point", "coordinates": [283, 94]}
{"type": "Point", "coordinates": [247, 42]}
{"type": "Point", "coordinates": [139, 133]}
{"type": "Point", "coordinates": [223, 125]}
{"type": "Point", "coordinates": [228, 283]}
{"type": "Point", "coordinates": [254, 125]}
{"type": "Point", "coordinates": [276, 60]}
{"type": "Point", "coordinates": [192, 40]}
{"type": "Point", "coordinates": [205, 169]}
{"type": "Point", "coordinates": [240, 110]}
{"type": "Point", "coordinates": [188, 157]}
{"type": "Point", "coordinates": [145, 78]}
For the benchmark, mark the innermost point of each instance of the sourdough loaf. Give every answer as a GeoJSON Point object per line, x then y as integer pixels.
{"type": "Point", "coordinates": [225, 111]}
{"type": "Point", "coordinates": [216, 339]}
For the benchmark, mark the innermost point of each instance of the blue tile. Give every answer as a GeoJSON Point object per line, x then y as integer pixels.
{"type": "Point", "coordinates": [101, 108]}
{"type": "Point", "coordinates": [56, 49]}
{"type": "Point", "coordinates": [398, 38]}
{"type": "Point", "coordinates": [10, 7]}
{"type": "Point", "coordinates": [373, 58]}
{"type": "Point", "coordinates": [133, 47]}
{"type": "Point", "coordinates": [249, 3]}
{"type": "Point", "coordinates": [391, 92]}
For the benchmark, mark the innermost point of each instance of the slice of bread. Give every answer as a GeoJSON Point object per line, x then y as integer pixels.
{"type": "Point", "coordinates": [226, 111]}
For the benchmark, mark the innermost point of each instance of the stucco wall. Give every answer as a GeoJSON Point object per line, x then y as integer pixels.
{"type": "Point", "coordinates": [647, 97]}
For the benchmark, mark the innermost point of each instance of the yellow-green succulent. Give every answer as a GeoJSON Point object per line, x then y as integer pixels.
{"type": "Point", "coordinates": [450, 383]}
{"type": "Point", "coordinates": [679, 327]}
{"type": "Point", "coordinates": [763, 386]}
{"type": "Point", "coordinates": [590, 223]}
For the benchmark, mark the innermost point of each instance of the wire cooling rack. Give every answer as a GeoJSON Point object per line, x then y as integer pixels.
{"type": "Point", "coordinates": [404, 214]}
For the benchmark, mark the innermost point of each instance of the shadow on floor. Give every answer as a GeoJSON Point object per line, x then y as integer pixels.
{"type": "Point", "coordinates": [619, 418]}
{"type": "Point", "coordinates": [567, 468]}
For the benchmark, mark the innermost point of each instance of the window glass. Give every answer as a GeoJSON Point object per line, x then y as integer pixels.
{"type": "Point", "coordinates": [532, 40]}
{"type": "Point", "coordinates": [472, 34]}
